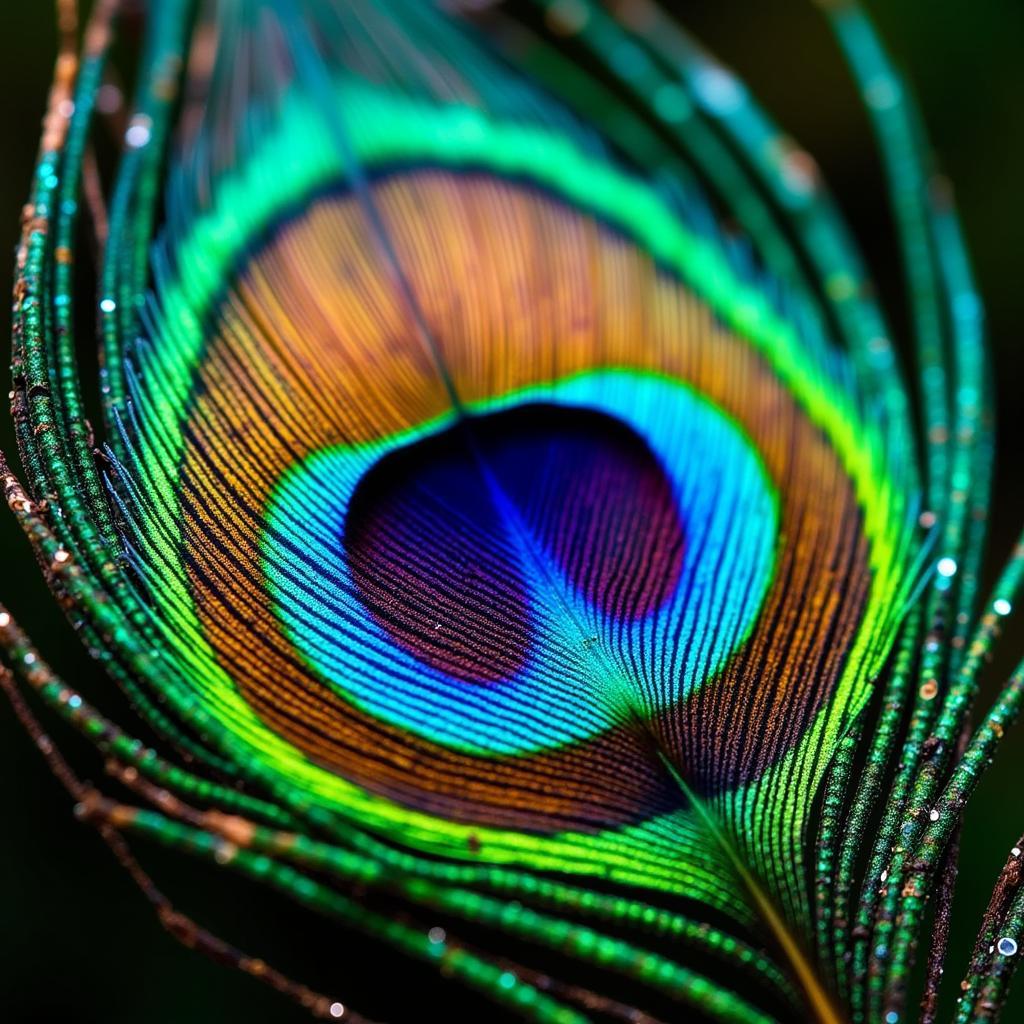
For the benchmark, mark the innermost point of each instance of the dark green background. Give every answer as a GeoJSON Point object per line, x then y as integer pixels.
{"type": "Point", "coordinates": [77, 942]}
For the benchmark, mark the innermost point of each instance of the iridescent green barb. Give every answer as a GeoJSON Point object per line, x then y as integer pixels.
{"type": "Point", "coordinates": [940, 284]}
{"type": "Point", "coordinates": [492, 543]}
{"type": "Point", "coordinates": [985, 985]}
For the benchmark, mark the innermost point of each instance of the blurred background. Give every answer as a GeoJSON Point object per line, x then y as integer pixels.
{"type": "Point", "coordinates": [77, 941]}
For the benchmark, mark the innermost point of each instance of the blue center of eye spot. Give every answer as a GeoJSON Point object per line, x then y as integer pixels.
{"type": "Point", "coordinates": [507, 582]}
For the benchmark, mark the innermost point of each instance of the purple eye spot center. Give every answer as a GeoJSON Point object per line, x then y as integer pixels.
{"type": "Point", "coordinates": [443, 536]}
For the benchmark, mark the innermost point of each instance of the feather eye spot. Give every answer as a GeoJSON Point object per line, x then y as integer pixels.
{"type": "Point", "coordinates": [489, 567]}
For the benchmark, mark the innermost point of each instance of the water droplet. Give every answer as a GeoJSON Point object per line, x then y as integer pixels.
{"type": "Point", "coordinates": [108, 305]}
{"type": "Point", "coordinates": [225, 853]}
{"type": "Point", "coordinates": [934, 816]}
{"type": "Point", "coordinates": [1001, 606]}
{"type": "Point", "coordinates": [139, 131]}
{"type": "Point", "coordinates": [1007, 946]}
{"type": "Point", "coordinates": [719, 90]}
{"type": "Point", "coordinates": [336, 1010]}
{"type": "Point", "coordinates": [436, 935]}
{"type": "Point", "coordinates": [946, 567]}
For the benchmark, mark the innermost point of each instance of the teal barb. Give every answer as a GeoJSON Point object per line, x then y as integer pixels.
{"type": "Point", "coordinates": [488, 537]}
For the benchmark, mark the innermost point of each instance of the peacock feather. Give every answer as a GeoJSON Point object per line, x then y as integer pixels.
{"type": "Point", "coordinates": [492, 542]}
